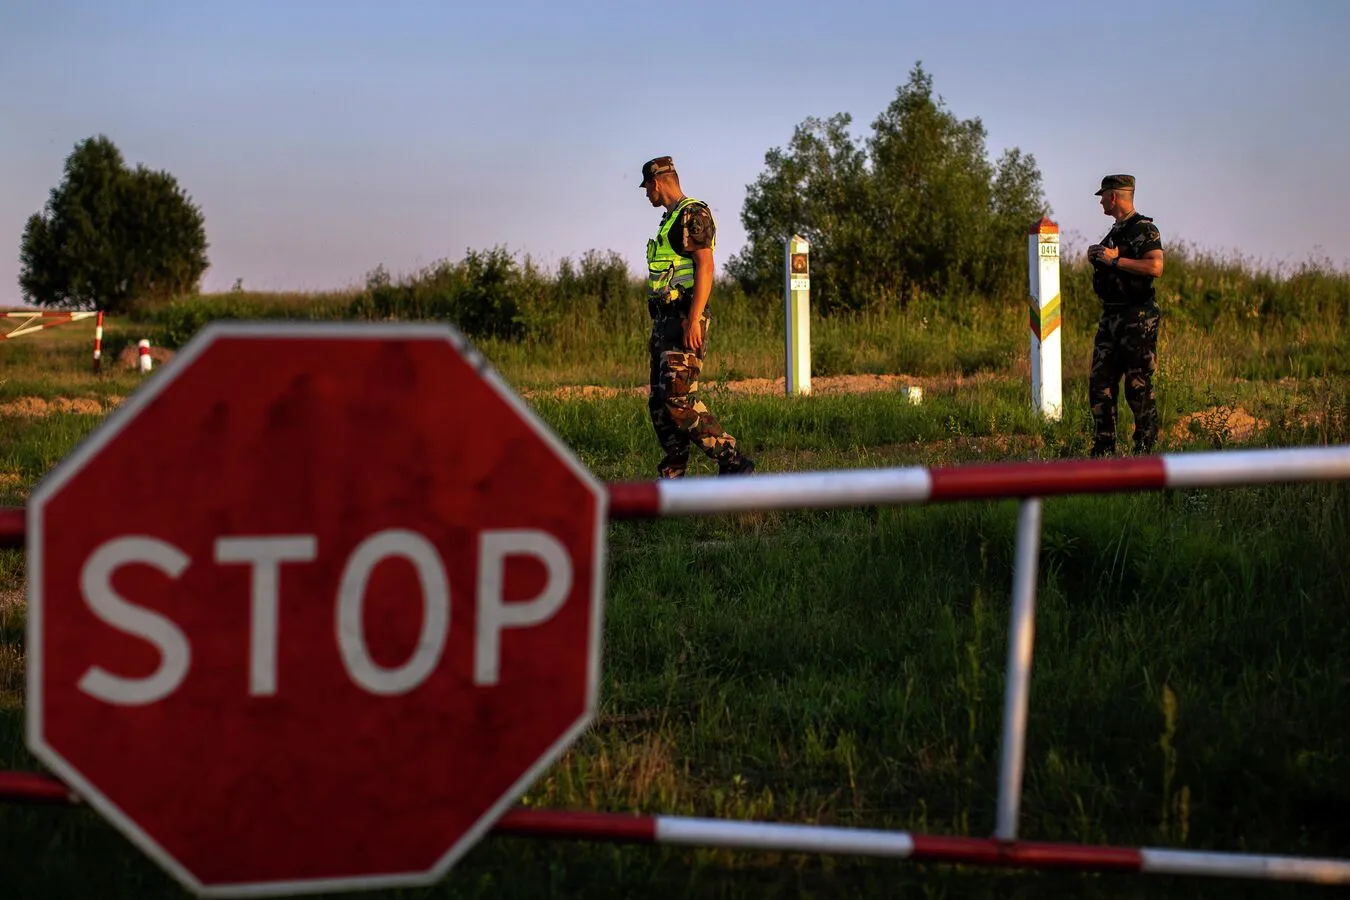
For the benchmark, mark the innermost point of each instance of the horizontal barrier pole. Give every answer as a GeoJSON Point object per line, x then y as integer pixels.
{"type": "Point", "coordinates": [32, 787]}
{"type": "Point", "coordinates": [12, 526]}
{"type": "Point", "coordinates": [781, 838]}
{"type": "Point", "coordinates": [986, 481]}
{"type": "Point", "coordinates": [898, 486]}
{"type": "Point", "coordinates": [36, 321]}
{"type": "Point", "coordinates": [69, 315]}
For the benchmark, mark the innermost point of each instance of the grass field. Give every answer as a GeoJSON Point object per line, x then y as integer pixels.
{"type": "Point", "coordinates": [1192, 671]}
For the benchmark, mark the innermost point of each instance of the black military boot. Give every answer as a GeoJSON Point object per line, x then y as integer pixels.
{"type": "Point", "coordinates": [1102, 448]}
{"type": "Point", "coordinates": [741, 465]}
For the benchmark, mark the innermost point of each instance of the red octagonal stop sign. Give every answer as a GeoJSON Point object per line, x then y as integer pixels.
{"type": "Point", "coordinates": [313, 607]}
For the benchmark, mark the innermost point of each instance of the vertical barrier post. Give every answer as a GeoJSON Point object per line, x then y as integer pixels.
{"type": "Point", "coordinates": [98, 343]}
{"type": "Point", "coordinates": [1017, 687]}
{"type": "Point", "coordinates": [1047, 388]}
{"type": "Point", "coordinates": [797, 322]}
{"type": "Point", "coordinates": [143, 349]}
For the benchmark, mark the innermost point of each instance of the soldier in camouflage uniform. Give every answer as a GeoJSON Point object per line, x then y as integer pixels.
{"type": "Point", "coordinates": [1124, 266]}
{"type": "Point", "coordinates": [679, 282]}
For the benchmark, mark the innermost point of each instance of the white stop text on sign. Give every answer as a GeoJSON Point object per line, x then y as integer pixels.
{"type": "Point", "coordinates": [266, 554]}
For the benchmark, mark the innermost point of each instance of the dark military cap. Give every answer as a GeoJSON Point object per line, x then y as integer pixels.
{"type": "Point", "coordinates": [1116, 183]}
{"type": "Point", "coordinates": [659, 166]}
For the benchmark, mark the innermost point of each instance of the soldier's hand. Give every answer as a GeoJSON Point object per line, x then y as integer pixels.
{"type": "Point", "coordinates": [693, 335]}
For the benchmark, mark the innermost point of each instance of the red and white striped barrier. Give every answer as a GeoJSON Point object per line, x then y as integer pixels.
{"type": "Point", "coordinates": [143, 351]}
{"type": "Point", "coordinates": [793, 838]}
{"type": "Point", "coordinates": [918, 485]}
{"type": "Point", "coordinates": [34, 788]}
{"type": "Point", "coordinates": [785, 838]}
{"type": "Point", "coordinates": [13, 526]}
{"type": "Point", "coordinates": [36, 320]}
{"type": "Point", "coordinates": [990, 481]}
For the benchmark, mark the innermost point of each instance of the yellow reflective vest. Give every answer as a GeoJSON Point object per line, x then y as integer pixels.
{"type": "Point", "coordinates": [670, 276]}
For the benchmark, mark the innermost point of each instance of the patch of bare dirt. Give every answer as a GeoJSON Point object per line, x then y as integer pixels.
{"type": "Point", "coordinates": [9, 480]}
{"type": "Point", "coordinates": [40, 406]}
{"type": "Point", "coordinates": [846, 384]}
{"type": "Point", "coordinates": [1225, 424]}
{"type": "Point", "coordinates": [584, 392]}
{"type": "Point", "coordinates": [820, 384]}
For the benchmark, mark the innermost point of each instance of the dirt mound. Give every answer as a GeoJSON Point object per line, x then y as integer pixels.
{"type": "Point", "coordinates": [1224, 424]}
{"type": "Point", "coordinates": [130, 357]}
{"type": "Point", "coordinates": [40, 406]}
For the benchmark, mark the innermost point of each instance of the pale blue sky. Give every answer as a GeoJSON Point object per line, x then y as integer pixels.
{"type": "Point", "coordinates": [324, 138]}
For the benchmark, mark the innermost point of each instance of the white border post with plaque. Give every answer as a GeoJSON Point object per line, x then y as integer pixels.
{"type": "Point", "coordinates": [1047, 387]}
{"type": "Point", "coordinates": [797, 321]}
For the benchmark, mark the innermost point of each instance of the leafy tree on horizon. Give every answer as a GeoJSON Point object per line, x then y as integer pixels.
{"type": "Point", "coordinates": [917, 208]}
{"type": "Point", "coordinates": [110, 235]}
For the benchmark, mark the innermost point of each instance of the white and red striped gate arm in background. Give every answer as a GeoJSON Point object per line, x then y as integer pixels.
{"type": "Point", "coordinates": [36, 320]}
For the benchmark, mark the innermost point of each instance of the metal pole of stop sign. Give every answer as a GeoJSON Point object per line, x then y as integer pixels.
{"type": "Point", "coordinates": [1017, 677]}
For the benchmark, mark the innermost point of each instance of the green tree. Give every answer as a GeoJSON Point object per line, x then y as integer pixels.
{"type": "Point", "coordinates": [110, 235]}
{"type": "Point", "coordinates": [917, 208]}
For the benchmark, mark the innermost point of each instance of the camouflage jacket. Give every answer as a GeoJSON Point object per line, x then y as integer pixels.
{"type": "Point", "coordinates": [1118, 290]}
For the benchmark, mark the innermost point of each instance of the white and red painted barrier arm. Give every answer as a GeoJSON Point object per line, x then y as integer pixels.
{"type": "Point", "coordinates": [916, 485]}
{"type": "Point", "coordinates": [29, 787]}
{"type": "Point", "coordinates": [13, 526]}
{"type": "Point", "coordinates": [986, 481]}
{"type": "Point", "coordinates": [788, 838]}
{"type": "Point", "coordinates": [36, 321]}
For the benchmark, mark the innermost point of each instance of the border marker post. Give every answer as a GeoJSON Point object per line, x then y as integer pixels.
{"type": "Point", "coordinates": [1047, 380]}
{"type": "Point", "coordinates": [797, 321]}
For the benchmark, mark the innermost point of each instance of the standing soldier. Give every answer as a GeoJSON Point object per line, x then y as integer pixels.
{"type": "Point", "coordinates": [679, 282]}
{"type": "Point", "coordinates": [1124, 266]}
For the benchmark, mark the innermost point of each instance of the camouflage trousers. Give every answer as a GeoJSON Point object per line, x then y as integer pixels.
{"type": "Point", "coordinates": [680, 418]}
{"type": "Point", "coordinates": [1126, 347]}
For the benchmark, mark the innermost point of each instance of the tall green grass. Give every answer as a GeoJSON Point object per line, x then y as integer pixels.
{"type": "Point", "coordinates": [587, 320]}
{"type": "Point", "coordinates": [845, 667]}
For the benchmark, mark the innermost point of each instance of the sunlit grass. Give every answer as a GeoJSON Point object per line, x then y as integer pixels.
{"type": "Point", "coordinates": [846, 666]}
